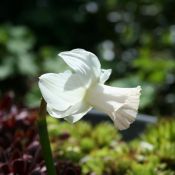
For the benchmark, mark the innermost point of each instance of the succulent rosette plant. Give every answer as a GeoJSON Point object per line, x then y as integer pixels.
{"type": "Point", "coordinates": [71, 94]}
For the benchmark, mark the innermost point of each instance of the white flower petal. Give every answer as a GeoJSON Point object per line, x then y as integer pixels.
{"type": "Point", "coordinates": [76, 81]}
{"type": "Point", "coordinates": [55, 113]}
{"type": "Point", "coordinates": [121, 104]}
{"type": "Point", "coordinates": [82, 61]}
{"type": "Point", "coordinates": [61, 91]}
{"type": "Point", "coordinates": [121, 123]}
{"type": "Point", "coordinates": [75, 118]}
{"type": "Point", "coordinates": [49, 85]}
{"type": "Point", "coordinates": [105, 74]}
{"type": "Point", "coordinates": [72, 113]}
{"type": "Point", "coordinates": [82, 111]}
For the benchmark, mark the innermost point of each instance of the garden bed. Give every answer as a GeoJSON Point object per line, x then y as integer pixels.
{"type": "Point", "coordinates": [83, 148]}
{"type": "Point", "coordinates": [136, 128]}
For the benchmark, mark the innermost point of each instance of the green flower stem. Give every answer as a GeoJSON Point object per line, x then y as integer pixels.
{"type": "Point", "coordinates": [44, 139]}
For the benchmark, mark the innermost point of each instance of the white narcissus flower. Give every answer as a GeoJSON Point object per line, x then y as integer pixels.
{"type": "Point", "coordinates": [71, 94]}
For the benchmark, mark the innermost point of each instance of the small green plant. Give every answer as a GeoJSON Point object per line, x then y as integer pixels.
{"type": "Point", "coordinates": [102, 151]}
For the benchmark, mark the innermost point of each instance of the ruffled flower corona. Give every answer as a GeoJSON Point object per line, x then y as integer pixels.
{"type": "Point", "coordinates": [71, 94]}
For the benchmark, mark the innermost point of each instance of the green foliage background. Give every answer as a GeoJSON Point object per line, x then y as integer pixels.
{"type": "Point", "coordinates": [134, 38]}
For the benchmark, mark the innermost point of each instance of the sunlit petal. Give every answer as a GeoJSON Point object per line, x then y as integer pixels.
{"type": "Point", "coordinates": [105, 74]}
{"type": "Point", "coordinates": [82, 61]}
{"type": "Point", "coordinates": [62, 90]}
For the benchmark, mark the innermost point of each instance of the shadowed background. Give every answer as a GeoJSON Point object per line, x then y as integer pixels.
{"type": "Point", "coordinates": [134, 38]}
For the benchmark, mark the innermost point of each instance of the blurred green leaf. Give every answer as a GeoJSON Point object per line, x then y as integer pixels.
{"type": "Point", "coordinates": [6, 68]}
{"type": "Point", "coordinates": [27, 64]}
{"type": "Point", "coordinates": [3, 35]}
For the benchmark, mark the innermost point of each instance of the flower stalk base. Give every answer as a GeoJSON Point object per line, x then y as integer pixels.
{"type": "Point", "coordinates": [44, 139]}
